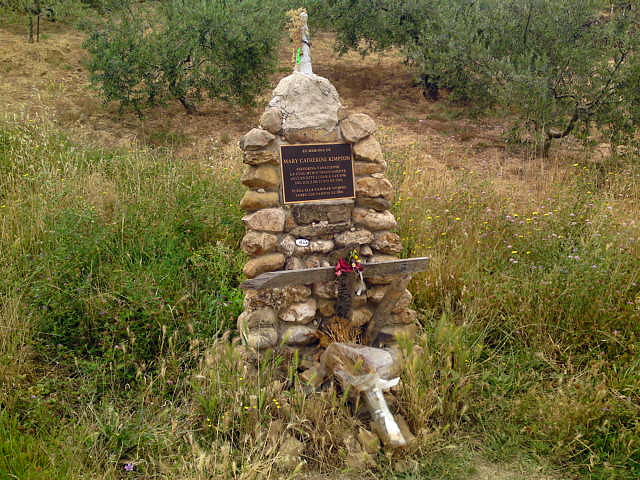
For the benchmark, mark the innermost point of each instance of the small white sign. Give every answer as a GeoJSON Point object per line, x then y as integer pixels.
{"type": "Point", "coordinates": [302, 242]}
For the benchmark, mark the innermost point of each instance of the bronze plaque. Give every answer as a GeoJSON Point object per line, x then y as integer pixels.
{"type": "Point", "coordinates": [317, 172]}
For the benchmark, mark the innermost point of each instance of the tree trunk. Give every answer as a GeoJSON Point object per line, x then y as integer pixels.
{"type": "Point", "coordinates": [30, 28]}
{"type": "Point", "coordinates": [188, 106]}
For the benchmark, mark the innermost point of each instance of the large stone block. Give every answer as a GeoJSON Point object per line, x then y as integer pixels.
{"type": "Point", "coordinates": [299, 335]}
{"type": "Point", "coordinates": [368, 150]}
{"type": "Point", "coordinates": [256, 139]}
{"type": "Point", "coordinates": [368, 168]}
{"type": "Point", "coordinates": [261, 157]}
{"type": "Point", "coordinates": [373, 220]}
{"type": "Point", "coordinates": [262, 338]}
{"type": "Point", "coordinates": [303, 312]}
{"type": "Point", "coordinates": [396, 332]}
{"type": "Point", "coordinates": [268, 220]}
{"type": "Point", "coordinates": [264, 263]}
{"type": "Point", "coordinates": [325, 290]}
{"type": "Point", "coordinates": [374, 187]}
{"type": "Point", "coordinates": [263, 317]}
{"type": "Point", "coordinates": [360, 237]}
{"type": "Point", "coordinates": [357, 126]}
{"type": "Point", "coordinates": [266, 177]}
{"type": "Point", "coordinates": [259, 243]}
{"type": "Point", "coordinates": [271, 120]}
{"type": "Point", "coordinates": [320, 229]}
{"type": "Point", "coordinates": [405, 316]}
{"type": "Point", "coordinates": [387, 242]}
{"type": "Point", "coordinates": [311, 104]}
{"type": "Point", "coordinates": [306, 214]}
{"type": "Point", "coordinates": [252, 201]}
{"type": "Point", "coordinates": [312, 135]}
{"type": "Point", "coordinates": [361, 316]}
{"type": "Point", "coordinates": [380, 204]}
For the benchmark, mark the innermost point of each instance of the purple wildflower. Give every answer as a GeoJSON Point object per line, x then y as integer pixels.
{"type": "Point", "coordinates": [128, 467]}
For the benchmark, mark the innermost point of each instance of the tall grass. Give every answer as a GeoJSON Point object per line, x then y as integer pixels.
{"type": "Point", "coordinates": [120, 270]}
{"type": "Point", "coordinates": [547, 283]}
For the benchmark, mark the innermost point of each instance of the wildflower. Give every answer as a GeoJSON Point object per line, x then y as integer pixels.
{"type": "Point", "coordinates": [128, 467]}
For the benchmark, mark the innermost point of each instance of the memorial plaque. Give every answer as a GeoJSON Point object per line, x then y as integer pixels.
{"type": "Point", "coordinates": [317, 172]}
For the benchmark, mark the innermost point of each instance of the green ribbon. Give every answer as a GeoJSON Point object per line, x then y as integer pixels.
{"type": "Point", "coordinates": [299, 56]}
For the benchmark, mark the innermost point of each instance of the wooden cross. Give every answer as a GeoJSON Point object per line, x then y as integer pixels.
{"type": "Point", "coordinates": [403, 268]}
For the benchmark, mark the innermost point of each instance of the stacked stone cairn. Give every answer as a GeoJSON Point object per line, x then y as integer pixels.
{"type": "Point", "coordinates": [306, 109]}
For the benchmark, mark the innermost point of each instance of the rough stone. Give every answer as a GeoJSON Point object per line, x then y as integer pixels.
{"type": "Point", "coordinates": [404, 302]}
{"type": "Point", "coordinates": [379, 204]}
{"type": "Point", "coordinates": [357, 126]}
{"type": "Point", "coordinates": [367, 168]}
{"type": "Point", "coordinates": [294, 293]}
{"type": "Point", "coordinates": [313, 261]}
{"type": "Point", "coordinates": [314, 376]}
{"type": "Point", "coordinates": [395, 332]}
{"type": "Point", "coordinates": [268, 219]}
{"type": "Point", "coordinates": [387, 242]}
{"type": "Point", "coordinates": [360, 317]}
{"type": "Point", "coordinates": [381, 279]}
{"type": "Point", "coordinates": [359, 237]}
{"type": "Point", "coordinates": [299, 335]}
{"type": "Point", "coordinates": [256, 139]}
{"type": "Point", "coordinates": [289, 221]}
{"type": "Point", "coordinates": [372, 220]}
{"type": "Point", "coordinates": [252, 201]}
{"type": "Point", "coordinates": [326, 307]}
{"type": "Point", "coordinates": [325, 290]}
{"type": "Point", "coordinates": [403, 317]}
{"type": "Point", "coordinates": [382, 258]}
{"type": "Point", "coordinates": [306, 214]}
{"type": "Point", "coordinates": [264, 263]}
{"type": "Point", "coordinates": [259, 243]}
{"type": "Point", "coordinates": [288, 245]}
{"type": "Point", "coordinates": [375, 294]}
{"type": "Point", "coordinates": [264, 176]}
{"type": "Point", "coordinates": [374, 187]}
{"type": "Point", "coordinates": [315, 246]}
{"type": "Point", "coordinates": [311, 135]}
{"type": "Point", "coordinates": [302, 312]}
{"type": "Point", "coordinates": [261, 157]}
{"type": "Point", "coordinates": [271, 120]}
{"type": "Point", "coordinates": [310, 102]}
{"type": "Point", "coordinates": [263, 317]}
{"type": "Point", "coordinates": [294, 263]}
{"type": "Point", "coordinates": [366, 251]}
{"type": "Point", "coordinates": [368, 150]}
{"type": "Point", "coordinates": [320, 229]}
{"type": "Point", "coordinates": [262, 338]}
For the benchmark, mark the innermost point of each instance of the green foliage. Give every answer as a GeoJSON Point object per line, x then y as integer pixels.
{"type": "Point", "coordinates": [120, 258]}
{"type": "Point", "coordinates": [36, 11]}
{"type": "Point", "coordinates": [562, 67]}
{"type": "Point", "coordinates": [186, 50]}
{"type": "Point", "coordinates": [551, 289]}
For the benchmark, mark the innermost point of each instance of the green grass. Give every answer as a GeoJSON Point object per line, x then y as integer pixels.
{"type": "Point", "coordinates": [121, 268]}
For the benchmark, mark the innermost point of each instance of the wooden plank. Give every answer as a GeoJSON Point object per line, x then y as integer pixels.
{"type": "Point", "coordinates": [391, 297]}
{"type": "Point", "coordinates": [284, 278]}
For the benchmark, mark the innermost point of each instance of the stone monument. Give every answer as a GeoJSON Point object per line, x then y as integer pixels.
{"type": "Point", "coordinates": [317, 193]}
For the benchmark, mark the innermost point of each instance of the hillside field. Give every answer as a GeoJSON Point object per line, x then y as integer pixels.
{"type": "Point", "coordinates": [119, 247]}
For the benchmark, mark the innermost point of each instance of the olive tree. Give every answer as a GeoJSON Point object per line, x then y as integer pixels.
{"type": "Point", "coordinates": [186, 50]}
{"type": "Point", "coordinates": [563, 67]}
